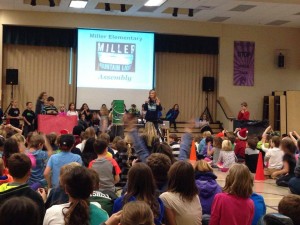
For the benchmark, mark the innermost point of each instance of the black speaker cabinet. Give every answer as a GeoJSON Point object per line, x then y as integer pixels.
{"type": "Point", "coordinates": [281, 61]}
{"type": "Point", "coordinates": [12, 76]}
{"type": "Point", "coordinates": [208, 84]}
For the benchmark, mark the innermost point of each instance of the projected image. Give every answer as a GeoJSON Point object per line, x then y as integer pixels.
{"type": "Point", "coordinates": [117, 57]}
{"type": "Point", "coordinates": [114, 65]}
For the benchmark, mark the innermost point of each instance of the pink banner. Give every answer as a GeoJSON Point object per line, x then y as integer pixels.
{"type": "Point", "coordinates": [49, 123]}
{"type": "Point", "coordinates": [243, 63]}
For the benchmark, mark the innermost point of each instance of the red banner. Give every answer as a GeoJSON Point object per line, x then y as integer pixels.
{"type": "Point", "coordinates": [50, 123]}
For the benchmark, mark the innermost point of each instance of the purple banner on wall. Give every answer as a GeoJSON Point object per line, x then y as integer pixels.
{"type": "Point", "coordinates": [243, 63]}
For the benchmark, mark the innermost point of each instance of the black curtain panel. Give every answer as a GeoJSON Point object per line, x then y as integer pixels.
{"type": "Point", "coordinates": [42, 36]}
{"type": "Point", "coordinates": [39, 36]}
{"type": "Point", "coordinates": [186, 44]}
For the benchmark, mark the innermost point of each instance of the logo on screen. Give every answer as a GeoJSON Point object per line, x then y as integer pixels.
{"type": "Point", "coordinates": [116, 57]}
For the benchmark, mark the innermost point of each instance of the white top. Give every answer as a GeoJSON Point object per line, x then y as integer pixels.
{"type": "Point", "coordinates": [81, 145]}
{"type": "Point", "coordinates": [54, 215]}
{"type": "Point", "coordinates": [227, 158]}
{"type": "Point", "coordinates": [249, 151]}
{"type": "Point", "coordinates": [274, 156]}
{"type": "Point", "coordinates": [264, 148]}
{"type": "Point", "coordinates": [186, 213]}
{"type": "Point", "coordinates": [72, 113]}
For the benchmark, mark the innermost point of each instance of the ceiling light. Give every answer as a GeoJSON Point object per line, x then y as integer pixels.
{"type": "Point", "coordinates": [123, 8]}
{"type": "Point", "coordinates": [33, 2]}
{"type": "Point", "coordinates": [51, 3]}
{"type": "Point", "coordinates": [107, 6]}
{"type": "Point", "coordinates": [175, 12]}
{"type": "Point", "coordinates": [79, 4]}
{"type": "Point", "coordinates": [191, 12]}
{"type": "Point", "coordinates": [155, 2]}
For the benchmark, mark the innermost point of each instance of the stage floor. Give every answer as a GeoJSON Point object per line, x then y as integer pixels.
{"type": "Point", "coordinates": [268, 189]}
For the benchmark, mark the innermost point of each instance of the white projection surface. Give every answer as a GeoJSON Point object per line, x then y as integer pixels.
{"type": "Point", "coordinates": [114, 65]}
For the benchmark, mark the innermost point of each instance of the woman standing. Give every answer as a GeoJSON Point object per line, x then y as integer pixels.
{"type": "Point", "coordinates": [152, 108]}
{"type": "Point", "coordinates": [172, 115]}
{"type": "Point", "coordinates": [39, 106]}
{"type": "Point", "coordinates": [103, 118]}
{"type": "Point", "coordinates": [40, 103]}
{"type": "Point", "coordinates": [84, 110]}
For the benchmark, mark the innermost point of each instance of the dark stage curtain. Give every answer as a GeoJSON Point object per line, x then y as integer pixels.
{"type": "Point", "coordinates": [39, 36]}
{"type": "Point", "coordinates": [186, 44]}
{"type": "Point", "coordinates": [57, 37]}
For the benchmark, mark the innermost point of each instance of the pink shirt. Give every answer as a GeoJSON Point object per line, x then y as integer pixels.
{"type": "Point", "coordinates": [231, 210]}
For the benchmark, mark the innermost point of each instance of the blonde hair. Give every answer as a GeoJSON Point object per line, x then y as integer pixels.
{"type": "Point", "coordinates": [150, 133]}
{"type": "Point", "coordinates": [206, 134]}
{"type": "Point", "coordinates": [104, 111]}
{"type": "Point", "coordinates": [137, 212]}
{"type": "Point", "coordinates": [203, 166]}
{"type": "Point", "coordinates": [19, 138]}
{"type": "Point", "coordinates": [36, 141]}
{"type": "Point", "coordinates": [66, 169]}
{"type": "Point", "coordinates": [128, 139]}
{"type": "Point", "coordinates": [239, 181]}
{"type": "Point", "coordinates": [226, 145]}
{"type": "Point", "coordinates": [89, 133]}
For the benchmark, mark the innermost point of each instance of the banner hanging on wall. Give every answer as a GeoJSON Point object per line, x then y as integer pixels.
{"type": "Point", "coordinates": [243, 62]}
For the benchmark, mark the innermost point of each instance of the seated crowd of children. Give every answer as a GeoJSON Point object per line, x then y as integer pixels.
{"type": "Point", "coordinates": [95, 178]}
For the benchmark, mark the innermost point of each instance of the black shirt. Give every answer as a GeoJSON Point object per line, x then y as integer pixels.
{"type": "Point", "coordinates": [14, 112]}
{"type": "Point", "coordinates": [29, 115]}
{"type": "Point", "coordinates": [291, 160]}
{"type": "Point", "coordinates": [25, 190]}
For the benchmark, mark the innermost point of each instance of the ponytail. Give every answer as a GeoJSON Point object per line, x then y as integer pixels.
{"type": "Point", "coordinates": [77, 213]}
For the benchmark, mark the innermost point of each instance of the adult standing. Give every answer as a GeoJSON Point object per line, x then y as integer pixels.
{"type": "Point", "coordinates": [40, 103]}
{"type": "Point", "coordinates": [152, 108]}
{"type": "Point", "coordinates": [39, 106]}
{"type": "Point", "coordinates": [84, 110]}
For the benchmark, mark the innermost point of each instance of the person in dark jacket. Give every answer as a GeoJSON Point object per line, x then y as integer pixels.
{"type": "Point", "coordinates": [172, 115]}
{"type": "Point", "coordinates": [152, 107]}
{"type": "Point", "coordinates": [294, 183]}
{"type": "Point", "coordinates": [206, 184]}
{"type": "Point", "coordinates": [251, 154]}
{"type": "Point", "coordinates": [19, 166]}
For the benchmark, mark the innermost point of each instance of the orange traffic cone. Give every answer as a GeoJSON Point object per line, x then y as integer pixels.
{"type": "Point", "coordinates": [193, 156]}
{"type": "Point", "coordinates": [259, 175]}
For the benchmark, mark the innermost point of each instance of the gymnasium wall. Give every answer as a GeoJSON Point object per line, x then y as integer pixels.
{"type": "Point", "coordinates": [268, 39]}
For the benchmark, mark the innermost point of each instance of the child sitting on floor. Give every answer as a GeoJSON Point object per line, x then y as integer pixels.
{"type": "Point", "coordinates": [227, 156]}
{"type": "Point", "coordinates": [273, 158]}
{"type": "Point", "coordinates": [206, 153]}
{"type": "Point", "coordinates": [234, 205]}
{"type": "Point", "coordinates": [106, 167]}
{"type": "Point", "coordinates": [217, 146]}
{"type": "Point", "coordinates": [289, 163]}
{"type": "Point", "coordinates": [206, 184]}
{"type": "Point", "coordinates": [251, 154]}
{"type": "Point", "coordinates": [241, 143]}
{"type": "Point", "coordinates": [175, 145]}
